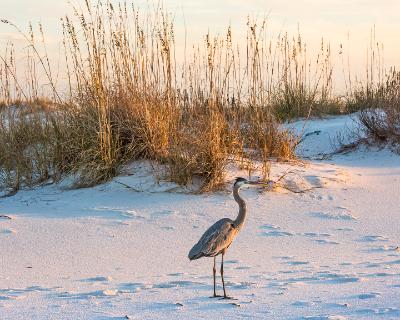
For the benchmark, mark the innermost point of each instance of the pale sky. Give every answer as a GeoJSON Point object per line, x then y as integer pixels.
{"type": "Point", "coordinates": [331, 19]}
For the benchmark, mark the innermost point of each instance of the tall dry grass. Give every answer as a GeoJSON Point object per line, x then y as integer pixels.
{"type": "Point", "coordinates": [128, 98]}
{"type": "Point", "coordinates": [31, 148]}
{"type": "Point", "coordinates": [377, 98]}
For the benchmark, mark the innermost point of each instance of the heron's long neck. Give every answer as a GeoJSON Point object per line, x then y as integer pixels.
{"type": "Point", "coordinates": [242, 208]}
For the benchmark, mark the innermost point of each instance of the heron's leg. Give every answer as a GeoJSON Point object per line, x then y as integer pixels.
{"type": "Point", "coordinates": [214, 277]}
{"type": "Point", "coordinates": [214, 273]}
{"type": "Point", "coordinates": [222, 274]}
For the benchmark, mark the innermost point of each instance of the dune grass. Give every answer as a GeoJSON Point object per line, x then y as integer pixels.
{"type": "Point", "coordinates": [380, 113]}
{"type": "Point", "coordinates": [127, 98]}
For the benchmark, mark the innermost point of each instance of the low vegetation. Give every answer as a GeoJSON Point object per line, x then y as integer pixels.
{"type": "Point", "coordinates": [380, 113]}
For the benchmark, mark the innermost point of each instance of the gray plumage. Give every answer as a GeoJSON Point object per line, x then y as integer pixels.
{"type": "Point", "coordinates": [217, 239]}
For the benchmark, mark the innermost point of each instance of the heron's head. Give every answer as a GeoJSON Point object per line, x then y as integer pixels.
{"type": "Point", "coordinates": [240, 182]}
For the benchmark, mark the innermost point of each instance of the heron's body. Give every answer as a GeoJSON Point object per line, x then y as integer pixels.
{"type": "Point", "coordinates": [217, 239]}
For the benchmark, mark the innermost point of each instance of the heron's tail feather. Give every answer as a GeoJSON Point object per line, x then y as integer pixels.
{"type": "Point", "coordinates": [195, 253]}
{"type": "Point", "coordinates": [194, 257]}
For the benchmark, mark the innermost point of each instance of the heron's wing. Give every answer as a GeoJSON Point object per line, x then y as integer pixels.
{"type": "Point", "coordinates": [218, 237]}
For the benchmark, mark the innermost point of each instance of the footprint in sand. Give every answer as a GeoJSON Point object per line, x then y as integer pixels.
{"type": "Point", "coordinates": [284, 258]}
{"type": "Point", "coordinates": [8, 231]}
{"type": "Point", "coordinates": [394, 262]}
{"type": "Point", "coordinates": [319, 235]}
{"type": "Point", "coordinates": [37, 289]}
{"type": "Point", "coordinates": [242, 268]}
{"type": "Point", "coordinates": [384, 248]}
{"type": "Point", "coordinates": [345, 229]}
{"type": "Point", "coordinates": [373, 238]}
{"type": "Point", "coordinates": [175, 274]}
{"type": "Point", "coordinates": [163, 213]}
{"type": "Point", "coordinates": [18, 294]}
{"type": "Point", "coordinates": [131, 287]}
{"type": "Point", "coordinates": [314, 234]}
{"type": "Point", "coordinates": [240, 285]}
{"type": "Point", "coordinates": [383, 274]}
{"type": "Point", "coordinates": [366, 296]}
{"type": "Point", "coordinates": [168, 228]}
{"type": "Point", "coordinates": [344, 264]}
{"type": "Point", "coordinates": [335, 278]}
{"type": "Point", "coordinates": [274, 231]}
{"type": "Point", "coordinates": [335, 305]}
{"type": "Point", "coordinates": [323, 241]}
{"type": "Point", "coordinates": [233, 261]}
{"type": "Point", "coordinates": [315, 181]}
{"type": "Point", "coordinates": [89, 295]}
{"type": "Point", "coordinates": [125, 212]}
{"type": "Point", "coordinates": [12, 297]}
{"type": "Point", "coordinates": [269, 227]}
{"type": "Point", "coordinates": [166, 305]}
{"type": "Point", "coordinates": [123, 223]}
{"type": "Point", "coordinates": [12, 294]}
{"type": "Point", "coordinates": [297, 263]}
{"type": "Point", "coordinates": [98, 279]}
{"type": "Point", "coordinates": [302, 304]}
{"type": "Point", "coordinates": [339, 213]}
{"type": "Point", "coordinates": [177, 284]}
{"type": "Point", "coordinates": [277, 233]}
{"type": "Point", "coordinates": [386, 312]}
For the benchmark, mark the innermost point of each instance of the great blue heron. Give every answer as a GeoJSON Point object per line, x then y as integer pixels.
{"type": "Point", "coordinates": [217, 239]}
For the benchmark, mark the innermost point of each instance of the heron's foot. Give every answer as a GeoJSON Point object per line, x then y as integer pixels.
{"type": "Point", "coordinates": [216, 296]}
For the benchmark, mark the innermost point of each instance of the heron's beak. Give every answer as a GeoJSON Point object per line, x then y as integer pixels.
{"type": "Point", "coordinates": [268, 185]}
{"type": "Point", "coordinates": [258, 183]}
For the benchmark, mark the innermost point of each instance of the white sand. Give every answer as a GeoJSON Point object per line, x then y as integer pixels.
{"type": "Point", "coordinates": [111, 253]}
